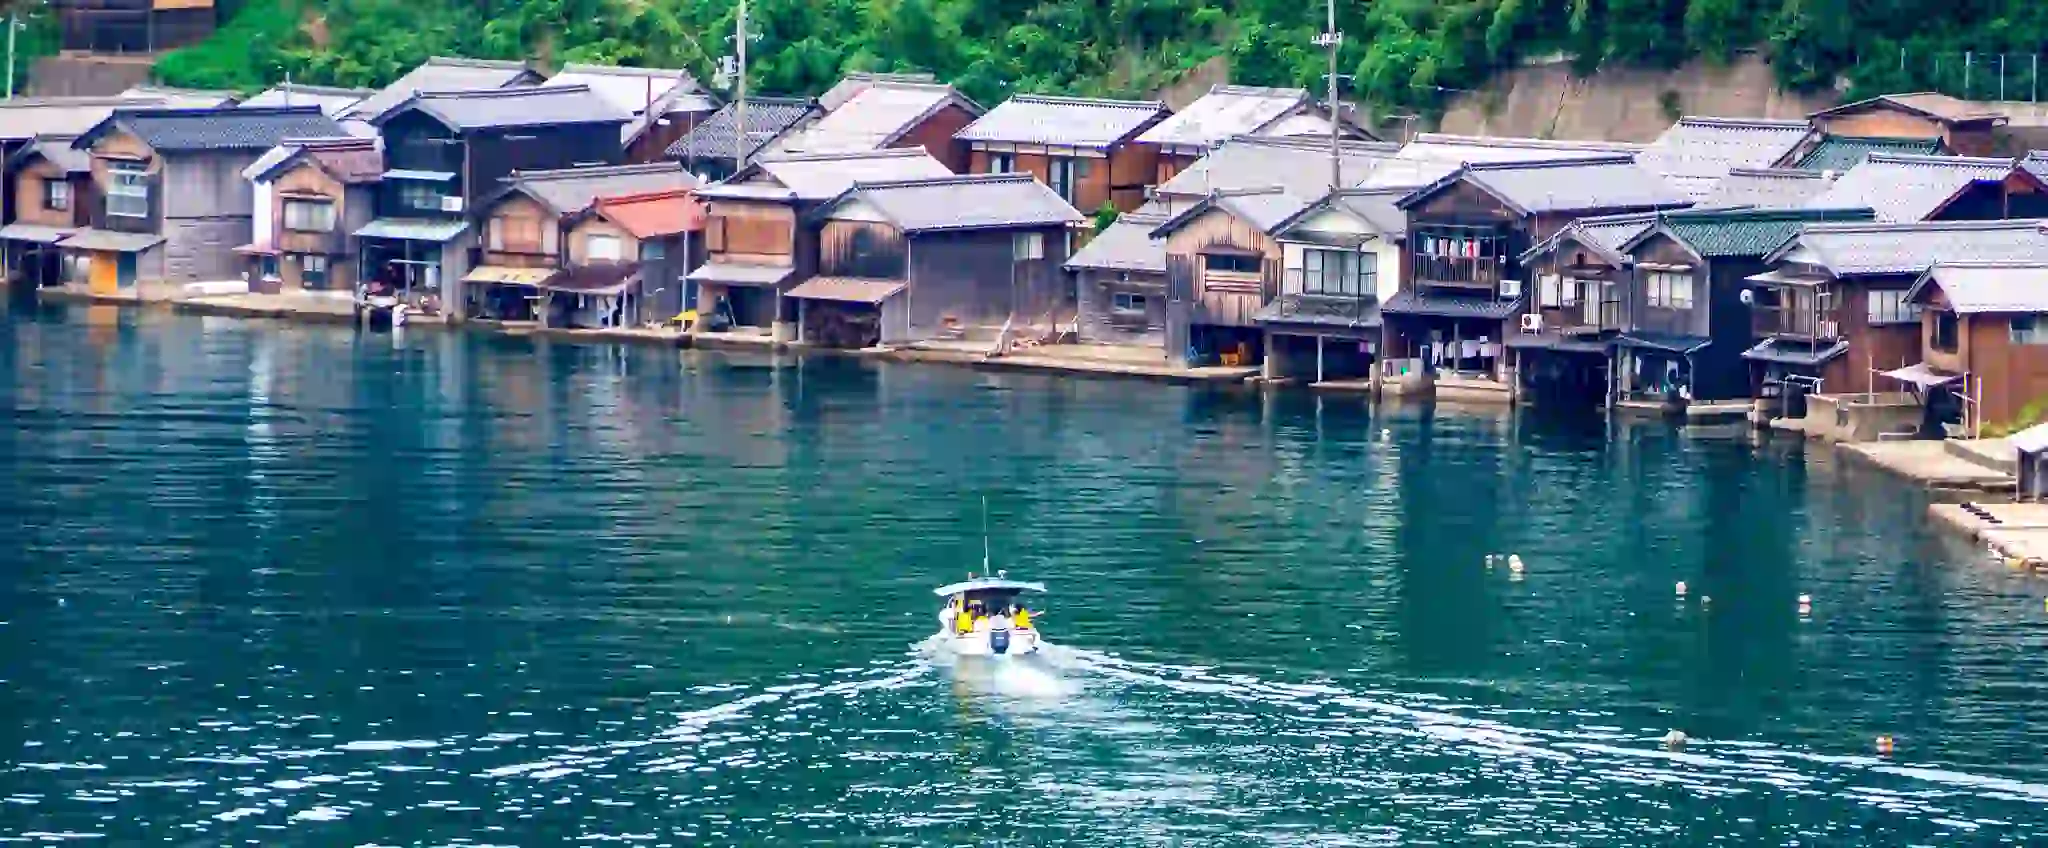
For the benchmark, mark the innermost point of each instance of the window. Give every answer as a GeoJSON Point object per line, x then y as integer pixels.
{"type": "Point", "coordinates": [1027, 246]}
{"type": "Point", "coordinates": [1066, 175]}
{"type": "Point", "coordinates": [1670, 289]}
{"type": "Point", "coordinates": [313, 271]}
{"type": "Point", "coordinates": [1126, 302]}
{"type": "Point", "coordinates": [309, 216]}
{"type": "Point", "coordinates": [651, 251]}
{"type": "Point", "coordinates": [56, 195]}
{"type": "Point", "coordinates": [1889, 306]}
{"type": "Point", "coordinates": [1558, 292]}
{"type": "Point", "coordinates": [1230, 263]}
{"type": "Point", "coordinates": [518, 234]}
{"type": "Point", "coordinates": [1945, 331]}
{"type": "Point", "coordinates": [1337, 272]}
{"type": "Point", "coordinates": [419, 196]}
{"type": "Point", "coordinates": [1002, 163]}
{"type": "Point", "coordinates": [602, 248]}
{"type": "Point", "coordinates": [127, 189]}
{"type": "Point", "coordinates": [2029, 329]}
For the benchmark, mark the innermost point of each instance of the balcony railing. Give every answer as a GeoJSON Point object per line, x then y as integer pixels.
{"type": "Point", "coordinates": [1793, 322]}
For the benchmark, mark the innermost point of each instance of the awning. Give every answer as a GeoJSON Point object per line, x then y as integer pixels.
{"type": "Point", "coordinates": [847, 289]}
{"type": "Point", "coordinates": [510, 275]}
{"type": "Point", "coordinates": [1793, 352]}
{"type": "Point", "coordinates": [1778, 278]}
{"type": "Point", "coordinates": [36, 233]}
{"type": "Point", "coordinates": [1359, 315]}
{"type": "Point", "coordinates": [1678, 343]}
{"type": "Point", "coordinates": [256, 250]}
{"type": "Point", "coordinates": [1557, 342]}
{"type": "Point", "coordinates": [413, 229]}
{"type": "Point", "coordinates": [738, 274]}
{"type": "Point", "coordinates": [420, 176]}
{"type": "Point", "coordinates": [599, 278]}
{"type": "Point", "coordinates": [1922, 375]}
{"type": "Point", "coordinates": [1485, 307]}
{"type": "Point", "coordinates": [111, 241]}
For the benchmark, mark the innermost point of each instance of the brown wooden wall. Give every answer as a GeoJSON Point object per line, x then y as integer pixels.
{"type": "Point", "coordinates": [525, 226]}
{"type": "Point", "coordinates": [578, 240]}
{"type": "Point", "coordinates": [2008, 376]}
{"type": "Point", "coordinates": [935, 135]}
{"type": "Point", "coordinates": [28, 197]}
{"type": "Point", "coordinates": [123, 145]}
{"type": "Point", "coordinates": [308, 180]}
{"type": "Point", "coordinates": [1883, 346]}
{"type": "Point", "coordinates": [751, 232]}
{"type": "Point", "coordinates": [1221, 299]}
{"type": "Point", "coordinates": [861, 249]}
{"type": "Point", "coordinates": [968, 278]}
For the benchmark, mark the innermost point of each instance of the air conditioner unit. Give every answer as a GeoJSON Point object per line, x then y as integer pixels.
{"type": "Point", "coordinates": [1511, 288]}
{"type": "Point", "coordinates": [451, 204]}
{"type": "Point", "coordinates": [1532, 323]}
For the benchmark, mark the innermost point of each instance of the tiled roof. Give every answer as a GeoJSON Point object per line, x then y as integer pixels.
{"type": "Point", "coordinates": [1431, 156]}
{"type": "Point", "coordinates": [1299, 165]}
{"type": "Point", "coordinates": [1226, 111]}
{"type": "Point", "coordinates": [767, 118]}
{"type": "Point", "coordinates": [568, 191]}
{"type": "Point", "coordinates": [2005, 286]}
{"type": "Point", "coordinates": [1565, 185]}
{"type": "Point", "coordinates": [822, 176]}
{"type": "Point", "coordinates": [2036, 163]}
{"type": "Point", "coordinates": [1908, 248]}
{"type": "Point", "coordinates": [1842, 152]}
{"type": "Point", "coordinates": [1706, 148]}
{"type": "Point", "coordinates": [1796, 351]}
{"type": "Point", "coordinates": [1767, 188]}
{"type": "Point", "coordinates": [859, 81]}
{"type": "Point", "coordinates": [352, 161]}
{"type": "Point", "coordinates": [1379, 207]}
{"type": "Point", "coordinates": [1931, 104]}
{"type": "Point", "coordinates": [654, 214]}
{"type": "Point", "coordinates": [628, 89]}
{"type": "Point", "coordinates": [513, 107]}
{"type": "Point", "coordinates": [1408, 302]}
{"type": "Point", "coordinates": [1263, 208]}
{"type": "Point", "coordinates": [333, 101]}
{"type": "Point", "coordinates": [58, 150]}
{"type": "Point", "coordinates": [1605, 234]}
{"type": "Point", "coordinates": [1074, 121]}
{"type": "Point", "coordinates": [1908, 188]}
{"type": "Point", "coordinates": [226, 128]}
{"type": "Point", "coordinates": [980, 201]}
{"type": "Point", "coordinates": [877, 117]}
{"type": "Point", "coordinates": [28, 117]}
{"type": "Point", "coordinates": [441, 73]}
{"type": "Point", "coordinates": [1356, 313]}
{"type": "Point", "coordinates": [846, 289]}
{"type": "Point", "coordinates": [1126, 245]}
{"type": "Point", "coordinates": [1715, 234]}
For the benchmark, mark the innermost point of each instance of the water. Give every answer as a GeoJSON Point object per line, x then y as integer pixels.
{"type": "Point", "coordinates": [286, 585]}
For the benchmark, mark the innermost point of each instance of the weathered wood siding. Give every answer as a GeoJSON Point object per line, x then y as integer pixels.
{"type": "Point", "coordinates": [1880, 346]}
{"type": "Point", "coordinates": [579, 240]}
{"type": "Point", "coordinates": [122, 146]}
{"type": "Point", "coordinates": [207, 207]}
{"type": "Point", "coordinates": [1217, 298]}
{"type": "Point", "coordinates": [28, 197]}
{"type": "Point", "coordinates": [415, 142]}
{"type": "Point", "coordinates": [751, 232]}
{"type": "Point", "coordinates": [495, 154]}
{"type": "Point", "coordinates": [968, 278]}
{"type": "Point", "coordinates": [861, 249]}
{"type": "Point", "coordinates": [520, 233]}
{"type": "Point", "coordinates": [935, 135]}
{"type": "Point", "coordinates": [307, 181]}
{"type": "Point", "coordinates": [1100, 323]}
{"type": "Point", "coordinates": [1640, 315]}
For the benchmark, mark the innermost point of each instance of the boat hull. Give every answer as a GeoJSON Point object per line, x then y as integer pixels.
{"type": "Point", "coordinates": [989, 643]}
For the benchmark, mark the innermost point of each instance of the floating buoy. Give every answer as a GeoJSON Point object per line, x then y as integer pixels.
{"type": "Point", "coordinates": [1384, 433]}
{"type": "Point", "coordinates": [1674, 739]}
{"type": "Point", "coordinates": [1515, 563]}
{"type": "Point", "coordinates": [1706, 599]}
{"type": "Point", "coordinates": [1681, 588]}
{"type": "Point", "coordinates": [1806, 600]}
{"type": "Point", "coordinates": [1884, 744]}
{"type": "Point", "coordinates": [1489, 560]}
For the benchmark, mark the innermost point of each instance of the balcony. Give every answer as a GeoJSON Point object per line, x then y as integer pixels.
{"type": "Point", "coordinates": [1793, 322]}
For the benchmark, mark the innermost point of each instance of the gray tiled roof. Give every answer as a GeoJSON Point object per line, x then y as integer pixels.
{"type": "Point", "coordinates": [767, 118]}
{"type": "Point", "coordinates": [628, 89]}
{"type": "Point", "coordinates": [2036, 163]}
{"type": "Point", "coordinates": [333, 101]}
{"type": "Point", "coordinates": [1767, 188]}
{"type": "Point", "coordinates": [1299, 165]}
{"type": "Point", "coordinates": [28, 117]}
{"type": "Point", "coordinates": [1126, 245]}
{"type": "Point", "coordinates": [441, 73]}
{"type": "Point", "coordinates": [877, 117]}
{"type": "Point", "coordinates": [1431, 156]}
{"type": "Point", "coordinates": [58, 150]}
{"type": "Point", "coordinates": [823, 176]}
{"type": "Point", "coordinates": [1355, 313]}
{"type": "Point", "coordinates": [1264, 208]}
{"type": "Point", "coordinates": [1379, 207]}
{"type": "Point", "coordinates": [1567, 185]}
{"type": "Point", "coordinates": [1408, 302]}
{"type": "Point", "coordinates": [859, 81]}
{"type": "Point", "coordinates": [1908, 188]}
{"type": "Point", "coordinates": [2007, 286]}
{"type": "Point", "coordinates": [1605, 234]}
{"type": "Point", "coordinates": [1075, 121]}
{"type": "Point", "coordinates": [514, 107]}
{"type": "Point", "coordinates": [1928, 103]}
{"type": "Point", "coordinates": [225, 128]}
{"type": "Point", "coordinates": [1705, 149]}
{"type": "Point", "coordinates": [1227, 110]}
{"type": "Point", "coordinates": [1908, 248]}
{"type": "Point", "coordinates": [568, 191]}
{"type": "Point", "coordinates": [980, 201]}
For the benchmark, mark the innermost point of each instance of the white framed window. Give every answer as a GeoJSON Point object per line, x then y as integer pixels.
{"type": "Point", "coordinates": [1127, 302]}
{"type": "Point", "coordinates": [1342, 273]}
{"type": "Point", "coordinates": [603, 248]}
{"type": "Point", "coordinates": [418, 195]}
{"type": "Point", "coordinates": [1669, 289]}
{"type": "Point", "coordinates": [1002, 163]}
{"type": "Point", "coordinates": [1555, 291]}
{"type": "Point", "coordinates": [127, 189]}
{"type": "Point", "coordinates": [2030, 329]}
{"type": "Point", "coordinates": [309, 216]}
{"type": "Point", "coordinates": [1027, 246]}
{"type": "Point", "coordinates": [1890, 306]}
{"type": "Point", "coordinates": [1065, 175]}
{"type": "Point", "coordinates": [56, 195]}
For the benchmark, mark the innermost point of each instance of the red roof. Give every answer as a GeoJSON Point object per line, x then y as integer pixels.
{"type": "Point", "coordinates": [655, 213]}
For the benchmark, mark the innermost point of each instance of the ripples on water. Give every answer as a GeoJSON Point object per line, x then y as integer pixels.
{"type": "Point", "coordinates": [284, 585]}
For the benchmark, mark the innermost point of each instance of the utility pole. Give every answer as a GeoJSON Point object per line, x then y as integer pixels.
{"type": "Point", "coordinates": [1330, 39]}
{"type": "Point", "coordinates": [13, 23]}
{"type": "Point", "coordinates": [739, 158]}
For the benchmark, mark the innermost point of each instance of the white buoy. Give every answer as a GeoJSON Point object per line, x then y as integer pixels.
{"type": "Point", "coordinates": [1515, 563]}
{"type": "Point", "coordinates": [1806, 600]}
{"type": "Point", "coordinates": [1674, 739]}
{"type": "Point", "coordinates": [1681, 588]}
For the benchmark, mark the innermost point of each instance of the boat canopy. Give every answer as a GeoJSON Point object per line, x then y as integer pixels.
{"type": "Point", "coordinates": [989, 584]}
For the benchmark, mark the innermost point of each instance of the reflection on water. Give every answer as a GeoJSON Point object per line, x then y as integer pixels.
{"type": "Point", "coordinates": [292, 585]}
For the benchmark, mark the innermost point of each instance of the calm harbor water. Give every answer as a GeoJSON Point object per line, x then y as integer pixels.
{"type": "Point", "coordinates": [268, 584]}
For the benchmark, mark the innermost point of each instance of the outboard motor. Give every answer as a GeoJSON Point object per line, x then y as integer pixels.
{"type": "Point", "coordinates": [999, 641]}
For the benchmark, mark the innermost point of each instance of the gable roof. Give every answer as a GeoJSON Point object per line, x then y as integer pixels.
{"type": "Point", "coordinates": [221, 128]}
{"type": "Point", "coordinates": [567, 191]}
{"type": "Point", "coordinates": [1697, 152]}
{"type": "Point", "coordinates": [823, 176]}
{"type": "Point", "coordinates": [767, 119]}
{"type": "Point", "coordinates": [1126, 245]}
{"type": "Point", "coordinates": [1562, 185]}
{"type": "Point", "coordinates": [1908, 188]}
{"type": "Point", "coordinates": [1602, 234]}
{"type": "Point", "coordinates": [57, 150]}
{"type": "Point", "coordinates": [1725, 233]}
{"type": "Point", "coordinates": [1999, 286]}
{"type": "Point", "coordinates": [877, 117]}
{"type": "Point", "coordinates": [1767, 188]}
{"type": "Point", "coordinates": [333, 101]}
{"type": "Point", "coordinates": [1226, 111]}
{"type": "Point", "coordinates": [652, 214]}
{"type": "Point", "coordinates": [24, 118]}
{"type": "Point", "coordinates": [1842, 152]}
{"type": "Point", "coordinates": [954, 203]}
{"type": "Point", "coordinates": [627, 89]}
{"type": "Point", "coordinates": [351, 161]}
{"type": "Point", "coordinates": [1374, 207]}
{"type": "Point", "coordinates": [1302, 165]}
{"type": "Point", "coordinates": [1264, 208]}
{"type": "Point", "coordinates": [441, 73]}
{"type": "Point", "coordinates": [1927, 104]}
{"type": "Point", "coordinates": [1908, 248]}
{"type": "Point", "coordinates": [858, 81]}
{"type": "Point", "coordinates": [1071, 121]}
{"type": "Point", "coordinates": [511, 107]}
{"type": "Point", "coordinates": [1432, 156]}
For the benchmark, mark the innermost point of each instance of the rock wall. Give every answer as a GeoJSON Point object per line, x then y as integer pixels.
{"type": "Point", "coordinates": [1546, 100]}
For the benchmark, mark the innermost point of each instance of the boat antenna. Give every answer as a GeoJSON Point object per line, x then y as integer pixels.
{"type": "Point", "coordinates": [984, 536]}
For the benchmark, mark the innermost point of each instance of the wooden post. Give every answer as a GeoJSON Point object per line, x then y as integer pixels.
{"type": "Point", "coordinates": [1319, 359]}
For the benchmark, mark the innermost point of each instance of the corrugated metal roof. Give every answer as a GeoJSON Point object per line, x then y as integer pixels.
{"type": "Point", "coordinates": [2003, 286]}
{"type": "Point", "coordinates": [655, 214]}
{"type": "Point", "coordinates": [823, 176]}
{"type": "Point", "coordinates": [441, 73]}
{"type": "Point", "coordinates": [1701, 151]}
{"type": "Point", "coordinates": [1432, 156]}
{"type": "Point", "coordinates": [1842, 152]}
{"type": "Point", "coordinates": [567, 191]}
{"type": "Point", "coordinates": [767, 119]}
{"type": "Point", "coordinates": [1767, 188]}
{"type": "Point", "coordinates": [1908, 248]}
{"type": "Point", "coordinates": [876, 117]}
{"type": "Point", "coordinates": [1301, 166]}
{"type": "Point", "coordinates": [1354, 313]}
{"type": "Point", "coordinates": [846, 289]}
{"type": "Point", "coordinates": [509, 275]}
{"type": "Point", "coordinates": [741, 274]}
{"type": "Point", "coordinates": [514, 107]}
{"type": "Point", "coordinates": [1126, 245]}
{"type": "Point", "coordinates": [224, 128]}
{"type": "Point", "coordinates": [1567, 185]}
{"type": "Point", "coordinates": [978, 201]}
{"type": "Point", "coordinates": [1908, 188]}
{"type": "Point", "coordinates": [333, 101]}
{"type": "Point", "coordinates": [1715, 234]}
{"type": "Point", "coordinates": [1070, 121]}
{"type": "Point", "coordinates": [1226, 111]}
{"type": "Point", "coordinates": [412, 229]}
{"type": "Point", "coordinates": [1795, 351]}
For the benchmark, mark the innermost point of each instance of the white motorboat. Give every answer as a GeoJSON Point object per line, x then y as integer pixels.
{"type": "Point", "coordinates": [984, 617]}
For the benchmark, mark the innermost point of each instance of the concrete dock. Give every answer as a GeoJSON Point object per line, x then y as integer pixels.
{"type": "Point", "coordinates": [1934, 464]}
{"type": "Point", "coordinates": [2016, 531]}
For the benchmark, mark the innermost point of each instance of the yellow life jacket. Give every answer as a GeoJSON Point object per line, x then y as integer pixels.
{"type": "Point", "coordinates": [964, 622]}
{"type": "Point", "coordinates": [1024, 618]}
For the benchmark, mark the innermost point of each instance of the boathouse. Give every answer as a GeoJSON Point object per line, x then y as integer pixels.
{"type": "Point", "coordinates": [1222, 266]}
{"type": "Point", "coordinates": [526, 227]}
{"type": "Point", "coordinates": [1984, 324]}
{"type": "Point", "coordinates": [1340, 259]}
{"type": "Point", "coordinates": [1562, 346]}
{"type": "Point", "coordinates": [1120, 282]}
{"type": "Point", "coordinates": [52, 196]}
{"type": "Point", "coordinates": [311, 195]}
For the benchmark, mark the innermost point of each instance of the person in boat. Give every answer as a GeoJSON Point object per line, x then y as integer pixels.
{"type": "Point", "coordinates": [964, 622]}
{"type": "Point", "coordinates": [1021, 617]}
